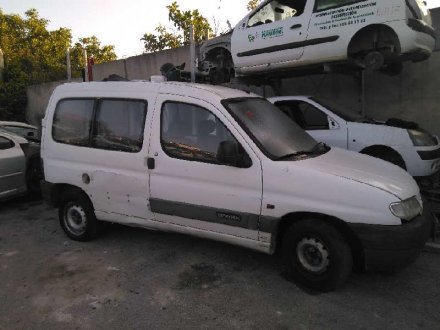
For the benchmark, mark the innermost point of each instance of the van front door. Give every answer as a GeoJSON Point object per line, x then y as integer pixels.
{"type": "Point", "coordinates": [189, 187]}
{"type": "Point", "coordinates": [276, 32]}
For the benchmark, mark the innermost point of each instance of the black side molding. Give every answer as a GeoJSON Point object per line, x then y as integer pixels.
{"type": "Point", "coordinates": [291, 45]}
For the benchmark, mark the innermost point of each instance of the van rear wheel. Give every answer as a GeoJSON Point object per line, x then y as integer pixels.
{"type": "Point", "coordinates": [317, 255]}
{"type": "Point", "coordinates": [77, 217]}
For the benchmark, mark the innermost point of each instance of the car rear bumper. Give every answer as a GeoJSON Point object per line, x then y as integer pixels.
{"type": "Point", "coordinates": [394, 247]}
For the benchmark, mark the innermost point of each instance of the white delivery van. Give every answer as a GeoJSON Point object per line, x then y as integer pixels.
{"type": "Point", "coordinates": [227, 165]}
{"type": "Point", "coordinates": [280, 35]}
{"type": "Point", "coordinates": [401, 143]}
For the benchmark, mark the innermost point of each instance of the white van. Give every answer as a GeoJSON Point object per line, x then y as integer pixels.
{"type": "Point", "coordinates": [281, 35]}
{"type": "Point", "coordinates": [227, 165]}
{"type": "Point", "coordinates": [402, 143]}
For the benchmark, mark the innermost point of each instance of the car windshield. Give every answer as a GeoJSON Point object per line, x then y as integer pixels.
{"type": "Point", "coordinates": [345, 113]}
{"type": "Point", "coordinates": [272, 130]}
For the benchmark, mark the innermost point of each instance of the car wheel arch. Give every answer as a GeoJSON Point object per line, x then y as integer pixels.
{"type": "Point", "coordinates": [58, 190]}
{"type": "Point", "coordinates": [381, 150]}
{"type": "Point", "coordinates": [353, 241]}
{"type": "Point", "coordinates": [357, 41]}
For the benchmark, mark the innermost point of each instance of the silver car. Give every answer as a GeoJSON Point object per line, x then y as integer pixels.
{"type": "Point", "coordinates": [19, 166]}
{"type": "Point", "coordinates": [27, 131]}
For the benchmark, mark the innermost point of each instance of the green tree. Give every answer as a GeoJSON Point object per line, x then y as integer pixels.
{"type": "Point", "coordinates": [33, 55]}
{"type": "Point", "coordinates": [182, 20]}
{"type": "Point", "coordinates": [100, 54]}
{"type": "Point", "coordinates": [252, 4]}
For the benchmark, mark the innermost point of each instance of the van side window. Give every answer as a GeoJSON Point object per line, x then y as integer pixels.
{"type": "Point", "coordinates": [72, 121]}
{"type": "Point", "coordinates": [277, 11]}
{"type": "Point", "coordinates": [119, 125]}
{"type": "Point", "coordinates": [328, 4]}
{"type": "Point", "coordinates": [191, 132]}
{"type": "Point", "coordinates": [304, 114]}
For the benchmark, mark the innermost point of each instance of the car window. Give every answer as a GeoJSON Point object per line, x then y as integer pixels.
{"type": "Point", "coordinates": [328, 4]}
{"type": "Point", "coordinates": [119, 125]}
{"type": "Point", "coordinates": [304, 114]}
{"type": "Point", "coordinates": [6, 143]}
{"type": "Point", "coordinates": [277, 10]}
{"type": "Point", "coordinates": [72, 121]}
{"type": "Point", "coordinates": [314, 118]}
{"type": "Point", "coordinates": [191, 132]}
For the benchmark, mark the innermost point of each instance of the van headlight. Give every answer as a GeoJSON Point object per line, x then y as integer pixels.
{"type": "Point", "coordinates": [408, 209]}
{"type": "Point", "coordinates": [422, 139]}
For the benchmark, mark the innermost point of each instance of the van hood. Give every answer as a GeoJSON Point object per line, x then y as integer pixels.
{"type": "Point", "coordinates": [367, 170]}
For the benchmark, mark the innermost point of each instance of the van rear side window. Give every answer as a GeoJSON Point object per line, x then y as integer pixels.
{"type": "Point", "coordinates": [119, 125]}
{"type": "Point", "coordinates": [72, 121]}
{"type": "Point", "coordinates": [109, 124]}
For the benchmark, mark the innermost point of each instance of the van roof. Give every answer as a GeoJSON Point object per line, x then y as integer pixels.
{"type": "Point", "coordinates": [133, 88]}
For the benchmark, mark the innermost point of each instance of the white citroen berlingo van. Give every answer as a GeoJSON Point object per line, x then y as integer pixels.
{"type": "Point", "coordinates": [227, 165]}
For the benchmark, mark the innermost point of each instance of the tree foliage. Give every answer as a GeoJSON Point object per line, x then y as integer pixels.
{"type": "Point", "coordinates": [252, 4]}
{"type": "Point", "coordinates": [33, 55]}
{"type": "Point", "coordinates": [182, 20]}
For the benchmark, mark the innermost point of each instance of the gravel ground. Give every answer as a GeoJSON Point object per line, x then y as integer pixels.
{"type": "Point", "coordinates": [133, 278]}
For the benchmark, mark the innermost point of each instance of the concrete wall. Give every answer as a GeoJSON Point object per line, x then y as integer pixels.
{"type": "Point", "coordinates": [142, 67]}
{"type": "Point", "coordinates": [38, 98]}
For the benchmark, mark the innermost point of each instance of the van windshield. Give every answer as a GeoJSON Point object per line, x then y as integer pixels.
{"type": "Point", "coordinates": [275, 133]}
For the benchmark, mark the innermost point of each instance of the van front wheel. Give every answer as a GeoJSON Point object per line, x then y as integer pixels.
{"type": "Point", "coordinates": [317, 255]}
{"type": "Point", "coordinates": [77, 217]}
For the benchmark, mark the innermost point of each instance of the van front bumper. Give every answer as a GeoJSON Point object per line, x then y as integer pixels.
{"type": "Point", "coordinates": [390, 248]}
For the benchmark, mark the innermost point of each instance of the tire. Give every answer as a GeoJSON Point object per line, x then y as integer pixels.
{"type": "Point", "coordinates": [317, 255]}
{"type": "Point", "coordinates": [77, 217]}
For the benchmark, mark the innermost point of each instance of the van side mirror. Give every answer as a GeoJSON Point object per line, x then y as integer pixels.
{"type": "Point", "coordinates": [228, 153]}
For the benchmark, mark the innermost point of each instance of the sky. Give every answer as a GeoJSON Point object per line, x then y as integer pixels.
{"type": "Point", "coordinates": [122, 23]}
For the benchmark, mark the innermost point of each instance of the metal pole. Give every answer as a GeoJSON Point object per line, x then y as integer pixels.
{"type": "Point", "coordinates": [86, 67]}
{"type": "Point", "coordinates": [2, 64]}
{"type": "Point", "coordinates": [363, 92]}
{"type": "Point", "coordinates": [192, 47]}
{"type": "Point", "coordinates": [69, 66]}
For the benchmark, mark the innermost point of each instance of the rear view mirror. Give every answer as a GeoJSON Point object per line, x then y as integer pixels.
{"type": "Point", "coordinates": [228, 153]}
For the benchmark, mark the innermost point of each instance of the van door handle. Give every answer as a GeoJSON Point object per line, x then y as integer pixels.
{"type": "Point", "coordinates": [151, 163]}
{"type": "Point", "coordinates": [296, 26]}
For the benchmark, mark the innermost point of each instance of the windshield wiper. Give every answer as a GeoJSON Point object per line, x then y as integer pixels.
{"type": "Point", "coordinates": [316, 149]}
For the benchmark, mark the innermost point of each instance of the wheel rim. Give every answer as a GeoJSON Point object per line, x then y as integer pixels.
{"type": "Point", "coordinates": [75, 219]}
{"type": "Point", "coordinates": [374, 61]}
{"type": "Point", "coordinates": [313, 255]}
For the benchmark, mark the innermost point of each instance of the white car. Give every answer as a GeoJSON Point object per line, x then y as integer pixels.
{"type": "Point", "coordinates": [401, 143]}
{"type": "Point", "coordinates": [27, 131]}
{"type": "Point", "coordinates": [19, 166]}
{"type": "Point", "coordinates": [227, 165]}
{"type": "Point", "coordinates": [281, 35]}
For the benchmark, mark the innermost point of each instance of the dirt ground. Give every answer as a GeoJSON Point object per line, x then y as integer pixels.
{"type": "Point", "coordinates": [139, 279]}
